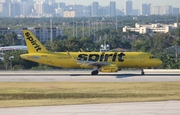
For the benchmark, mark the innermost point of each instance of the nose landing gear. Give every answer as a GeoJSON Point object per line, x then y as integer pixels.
{"type": "Point", "coordinates": [94, 72]}
{"type": "Point", "coordinates": [142, 72]}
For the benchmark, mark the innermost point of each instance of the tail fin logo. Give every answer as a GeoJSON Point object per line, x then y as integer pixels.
{"type": "Point", "coordinates": [33, 42]}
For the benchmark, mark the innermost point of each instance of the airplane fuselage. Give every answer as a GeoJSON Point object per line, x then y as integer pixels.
{"type": "Point", "coordinates": [121, 59]}
{"type": "Point", "coordinates": [99, 61]}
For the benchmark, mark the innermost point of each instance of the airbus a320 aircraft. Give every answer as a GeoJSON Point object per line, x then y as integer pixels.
{"type": "Point", "coordinates": [98, 61]}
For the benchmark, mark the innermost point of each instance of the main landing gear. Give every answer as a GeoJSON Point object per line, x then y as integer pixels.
{"type": "Point", "coordinates": [142, 72]}
{"type": "Point", "coordinates": [94, 72]}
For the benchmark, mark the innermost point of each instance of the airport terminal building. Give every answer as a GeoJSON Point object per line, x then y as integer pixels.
{"type": "Point", "coordinates": [150, 28]}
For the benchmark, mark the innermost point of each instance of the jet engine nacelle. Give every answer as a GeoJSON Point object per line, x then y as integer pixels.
{"type": "Point", "coordinates": [109, 68]}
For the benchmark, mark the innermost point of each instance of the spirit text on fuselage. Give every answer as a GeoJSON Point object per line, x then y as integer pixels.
{"type": "Point", "coordinates": [104, 57]}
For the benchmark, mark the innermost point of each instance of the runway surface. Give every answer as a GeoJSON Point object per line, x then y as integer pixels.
{"type": "Point", "coordinates": [85, 76]}
{"type": "Point", "coordinates": [138, 108]}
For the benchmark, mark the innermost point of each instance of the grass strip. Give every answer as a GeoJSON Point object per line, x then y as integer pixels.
{"type": "Point", "coordinates": [13, 94]}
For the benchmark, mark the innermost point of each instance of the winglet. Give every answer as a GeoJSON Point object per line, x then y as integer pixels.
{"type": "Point", "coordinates": [33, 44]}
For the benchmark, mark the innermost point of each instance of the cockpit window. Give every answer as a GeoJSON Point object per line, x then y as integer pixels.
{"type": "Point", "coordinates": [152, 57]}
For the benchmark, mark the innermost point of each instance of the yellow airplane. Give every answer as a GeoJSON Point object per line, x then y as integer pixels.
{"type": "Point", "coordinates": [99, 61]}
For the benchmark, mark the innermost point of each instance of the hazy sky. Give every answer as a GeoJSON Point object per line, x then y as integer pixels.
{"type": "Point", "coordinates": [120, 3]}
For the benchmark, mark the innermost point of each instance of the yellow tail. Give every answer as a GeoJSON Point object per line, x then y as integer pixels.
{"type": "Point", "coordinates": [33, 44]}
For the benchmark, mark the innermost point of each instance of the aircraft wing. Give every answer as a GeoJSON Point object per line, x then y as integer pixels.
{"type": "Point", "coordinates": [89, 63]}
{"type": "Point", "coordinates": [92, 63]}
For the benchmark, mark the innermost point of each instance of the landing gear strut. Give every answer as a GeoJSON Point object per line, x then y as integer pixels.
{"type": "Point", "coordinates": [142, 72]}
{"type": "Point", "coordinates": [94, 72]}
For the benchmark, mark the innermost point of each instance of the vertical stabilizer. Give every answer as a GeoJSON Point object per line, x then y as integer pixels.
{"type": "Point", "coordinates": [33, 44]}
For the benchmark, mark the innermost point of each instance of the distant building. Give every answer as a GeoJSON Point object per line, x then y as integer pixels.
{"type": "Point", "coordinates": [150, 28]}
{"type": "Point", "coordinates": [62, 5]}
{"type": "Point", "coordinates": [176, 11]}
{"type": "Point", "coordinates": [87, 11]}
{"type": "Point", "coordinates": [69, 14]}
{"type": "Point", "coordinates": [119, 12]}
{"type": "Point", "coordinates": [166, 10]}
{"type": "Point", "coordinates": [155, 10]}
{"type": "Point", "coordinates": [135, 12]}
{"type": "Point", "coordinates": [7, 8]}
{"type": "Point", "coordinates": [1, 9]}
{"type": "Point", "coordinates": [45, 8]}
{"type": "Point", "coordinates": [145, 9]}
{"type": "Point", "coordinates": [104, 11]}
{"type": "Point", "coordinates": [95, 8]}
{"type": "Point", "coordinates": [128, 7]}
{"type": "Point", "coordinates": [44, 34]}
{"type": "Point", "coordinates": [112, 9]}
{"type": "Point", "coordinates": [59, 12]}
{"type": "Point", "coordinates": [39, 8]}
{"type": "Point", "coordinates": [79, 10]}
{"type": "Point", "coordinates": [4, 31]}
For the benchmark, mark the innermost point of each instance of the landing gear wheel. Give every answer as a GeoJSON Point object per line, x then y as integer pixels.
{"type": "Point", "coordinates": [95, 72]}
{"type": "Point", "coordinates": [142, 72]}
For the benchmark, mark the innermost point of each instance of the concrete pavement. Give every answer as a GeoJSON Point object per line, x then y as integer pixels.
{"type": "Point", "coordinates": [137, 108]}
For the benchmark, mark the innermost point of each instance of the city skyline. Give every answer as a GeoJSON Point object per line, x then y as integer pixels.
{"type": "Point", "coordinates": [12, 8]}
{"type": "Point", "coordinates": [120, 4]}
